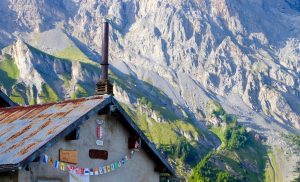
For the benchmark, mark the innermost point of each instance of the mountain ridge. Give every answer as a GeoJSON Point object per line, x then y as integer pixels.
{"type": "Point", "coordinates": [243, 55]}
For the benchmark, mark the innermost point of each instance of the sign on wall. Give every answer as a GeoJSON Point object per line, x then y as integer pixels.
{"type": "Point", "coordinates": [100, 132]}
{"type": "Point", "coordinates": [98, 154]}
{"type": "Point", "coordinates": [68, 156]}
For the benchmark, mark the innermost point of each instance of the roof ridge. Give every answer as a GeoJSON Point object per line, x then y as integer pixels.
{"type": "Point", "coordinates": [59, 102]}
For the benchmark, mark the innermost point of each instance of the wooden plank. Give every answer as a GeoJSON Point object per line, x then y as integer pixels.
{"type": "Point", "coordinates": [68, 156]}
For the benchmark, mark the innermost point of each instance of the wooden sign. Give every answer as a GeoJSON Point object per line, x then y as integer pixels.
{"type": "Point", "coordinates": [98, 154]}
{"type": "Point", "coordinates": [68, 156]}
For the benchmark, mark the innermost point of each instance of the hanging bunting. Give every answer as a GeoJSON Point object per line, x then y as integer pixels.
{"type": "Point", "coordinates": [45, 159]}
{"type": "Point", "coordinates": [137, 145]}
{"type": "Point", "coordinates": [108, 168]}
{"type": "Point", "coordinates": [91, 172]}
{"type": "Point", "coordinates": [100, 170]}
{"type": "Point", "coordinates": [96, 171]}
{"type": "Point", "coordinates": [88, 171]}
{"type": "Point", "coordinates": [77, 170]}
{"type": "Point", "coordinates": [62, 166]}
{"type": "Point", "coordinates": [82, 171]}
{"type": "Point", "coordinates": [104, 170]}
{"type": "Point", "coordinates": [50, 162]}
{"type": "Point", "coordinates": [56, 164]}
{"type": "Point", "coordinates": [112, 167]}
{"type": "Point", "coordinates": [71, 168]}
{"type": "Point", "coordinates": [116, 165]}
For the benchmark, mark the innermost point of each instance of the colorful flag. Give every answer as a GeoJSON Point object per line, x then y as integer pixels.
{"type": "Point", "coordinates": [112, 167]}
{"type": "Point", "coordinates": [82, 171]}
{"type": "Point", "coordinates": [56, 164]}
{"type": "Point", "coordinates": [104, 170]}
{"type": "Point", "coordinates": [123, 161]}
{"type": "Point", "coordinates": [108, 168]}
{"type": "Point", "coordinates": [132, 154]}
{"type": "Point", "coordinates": [50, 162]}
{"type": "Point", "coordinates": [62, 166]}
{"type": "Point", "coordinates": [116, 165]}
{"type": "Point", "coordinates": [45, 159]}
{"type": "Point", "coordinates": [96, 172]}
{"type": "Point", "coordinates": [126, 159]}
{"type": "Point", "coordinates": [100, 170]}
{"type": "Point", "coordinates": [77, 170]}
{"type": "Point", "coordinates": [120, 164]}
{"type": "Point", "coordinates": [86, 171]}
{"type": "Point", "coordinates": [136, 146]}
{"type": "Point", "coordinates": [71, 168]}
{"type": "Point", "coordinates": [91, 172]}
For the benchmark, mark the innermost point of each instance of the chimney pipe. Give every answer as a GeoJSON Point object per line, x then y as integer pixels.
{"type": "Point", "coordinates": [105, 45]}
{"type": "Point", "coordinates": [104, 86]}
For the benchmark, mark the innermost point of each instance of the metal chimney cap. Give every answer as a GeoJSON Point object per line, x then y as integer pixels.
{"type": "Point", "coordinates": [106, 20]}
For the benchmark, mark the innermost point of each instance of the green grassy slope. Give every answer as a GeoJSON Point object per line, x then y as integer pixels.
{"type": "Point", "coordinates": [174, 135]}
{"type": "Point", "coordinates": [239, 158]}
{"type": "Point", "coordinates": [9, 72]}
{"type": "Point", "coordinates": [22, 94]}
{"type": "Point", "coordinates": [73, 53]}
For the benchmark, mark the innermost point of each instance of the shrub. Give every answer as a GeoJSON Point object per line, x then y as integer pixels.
{"type": "Point", "coordinates": [236, 137]}
{"type": "Point", "coordinates": [223, 177]}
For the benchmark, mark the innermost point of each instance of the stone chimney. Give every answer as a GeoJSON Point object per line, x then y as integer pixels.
{"type": "Point", "coordinates": [104, 86]}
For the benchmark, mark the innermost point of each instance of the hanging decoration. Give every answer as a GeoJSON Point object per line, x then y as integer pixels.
{"type": "Point", "coordinates": [89, 171]}
{"type": "Point", "coordinates": [100, 132]}
{"type": "Point", "coordinates": [137, 145]}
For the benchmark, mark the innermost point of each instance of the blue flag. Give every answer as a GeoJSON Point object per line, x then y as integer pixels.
{"type": "Point", "coordinates": [86, 171]}
{"type": "Point", "coordinates": [91, 172]}
{"type": "Point", "coordinates": [56, 164]}
{"type": "Point", "coordinates": [45, 159]}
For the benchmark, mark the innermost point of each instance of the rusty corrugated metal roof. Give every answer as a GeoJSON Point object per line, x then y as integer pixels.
{"type": "Point", "coordinates": [25, 129]}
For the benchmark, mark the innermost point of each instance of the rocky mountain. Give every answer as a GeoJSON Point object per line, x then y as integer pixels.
{"type": "Point", "coordinates": [183, 55]}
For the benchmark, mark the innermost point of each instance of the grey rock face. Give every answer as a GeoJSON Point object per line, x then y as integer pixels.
{"type": "Point", "coordinates": [193, 51]}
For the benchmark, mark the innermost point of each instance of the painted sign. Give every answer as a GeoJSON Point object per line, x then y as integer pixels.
{"type": "Point", "coordinates": [68, 156]}
{"type": "Point", "coordinates": [100, 132]}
